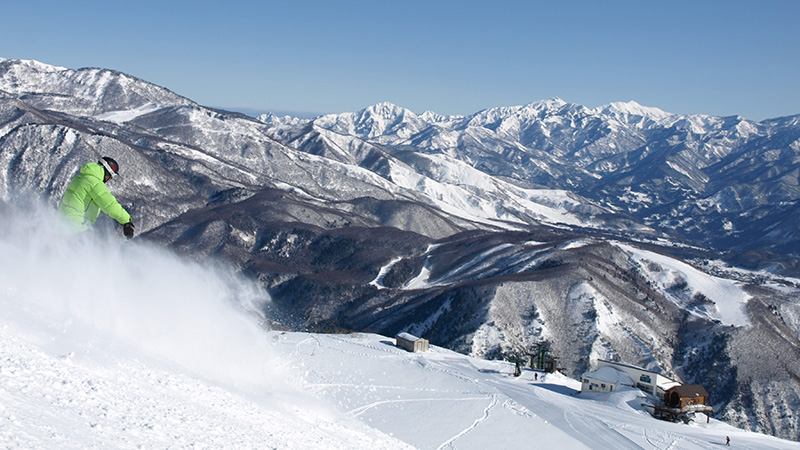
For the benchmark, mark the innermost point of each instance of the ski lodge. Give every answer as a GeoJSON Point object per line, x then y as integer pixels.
{"type": "Point", "coordinates": [678, 401]}
{"type": "Point", "coordinates": [605, 379]}
{"type": "Point", "coordinates": [411, 342]}
{"type": "Point", "coordinates": [643, 379]}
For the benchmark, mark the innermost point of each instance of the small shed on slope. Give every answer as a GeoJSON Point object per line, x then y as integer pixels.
{"type": "Point", "coordinates": [411, 342]}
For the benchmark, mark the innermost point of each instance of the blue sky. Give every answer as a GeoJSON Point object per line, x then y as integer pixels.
{"type": "Point", "coordinates": [452, 57]}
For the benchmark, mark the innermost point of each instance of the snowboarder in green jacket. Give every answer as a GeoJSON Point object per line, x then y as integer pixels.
{"type": "Point", "coordinates": [87, 195]}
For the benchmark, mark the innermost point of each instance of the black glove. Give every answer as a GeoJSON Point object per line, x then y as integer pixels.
{"type": "Point", "coordinates": [127, 230]}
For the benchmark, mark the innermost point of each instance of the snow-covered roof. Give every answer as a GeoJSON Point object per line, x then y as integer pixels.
{"type": "Point", "coordinates": [408, 337]}
{"type": "Point", "coordinates": [609, 375]}
{"type": "Point", "coordinates": [631, 366]}
{"type": "Point", "coordinates": [668, 385]}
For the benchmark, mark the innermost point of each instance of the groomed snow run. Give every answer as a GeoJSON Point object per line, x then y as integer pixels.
{"type": "Point", "coordinates": [123, 116]}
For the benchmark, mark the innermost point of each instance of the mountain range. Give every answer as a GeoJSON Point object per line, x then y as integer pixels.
{"type": "Point", "coordinates": [621, 232]}
{"type": "Point", "coordinates": [723, 182]}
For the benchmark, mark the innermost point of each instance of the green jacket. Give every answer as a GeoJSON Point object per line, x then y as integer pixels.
{"type": "Point", "coordinates": [86, 196]}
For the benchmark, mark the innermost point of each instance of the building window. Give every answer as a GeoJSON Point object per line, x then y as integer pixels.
{"type": "Point", "coordinates": [644, 387]}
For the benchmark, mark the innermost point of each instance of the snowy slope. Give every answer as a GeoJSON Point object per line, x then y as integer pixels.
{"type": "Point", "coordinates": [59, 401]}
{"type": "Point", "coordinates": [110, 344]}
{"type": "Point", "coordinates": [441, 399]}
{"type": "Point", "coordinates": [77, 91]}
{"type": "Point", "coordinates": [727, 296]}
{"type": "Point", "coordinates": [105, 344]}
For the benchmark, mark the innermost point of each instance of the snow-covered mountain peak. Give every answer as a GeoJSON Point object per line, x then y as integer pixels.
{"type": "Point", "coordinates": [385, 109]}
{"type": "Point", "coordinates": [535, 111]}
{"type": "Point", "coordinates": [550, 104]}
{"type": "Point", "coordinates": [271, 118]}
{"type": "Point", "coordinates": [83, 92]}
{"type": "Point", "coordinates": [374, 121]}
{"type": "Point", "coordinates": [33, 65]}
{"type": "Point", "coordinates": [786, 121]}
{"type": "Point", "coordinates": [434, 117]}
{"type": "Point", "coordinates": [632, 108]}
{"type": "Point", "coordinates": [697, 124]}
{"type": "Point", "coordinates": [19, 76]}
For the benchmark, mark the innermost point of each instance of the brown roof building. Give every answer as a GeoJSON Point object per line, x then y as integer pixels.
{"type": "Point", "coordinates": [681, 402]}
{"type": "Point", "coordinates": [685, 395]}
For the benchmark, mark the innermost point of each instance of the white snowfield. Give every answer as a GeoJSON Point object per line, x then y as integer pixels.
{"type": "Point", "coordinates": [120, 117]}
{"type": "Point", "coordinates": [107, 344]}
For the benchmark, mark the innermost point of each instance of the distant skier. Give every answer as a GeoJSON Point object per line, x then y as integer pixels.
{"type": "Point", "coordinates": [87, 195]}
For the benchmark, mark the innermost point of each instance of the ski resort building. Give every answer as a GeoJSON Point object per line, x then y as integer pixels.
{"type": "Point", "coordinates": [675, 401]}
{"type": "Point", "coordinates": [643, 379]}
{"type": "Point", "coordinates": [682, 402]}
{"type": "Point", "coordinates": [411, 342]}
{"type": "Point", "coordinates": [605, 379]}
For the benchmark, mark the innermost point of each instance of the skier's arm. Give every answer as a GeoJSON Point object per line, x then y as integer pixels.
{"type": "Point", "coordinates": [107, 203]}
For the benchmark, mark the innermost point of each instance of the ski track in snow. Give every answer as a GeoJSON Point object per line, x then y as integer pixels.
{"type": "Point", "coordinates": [485, 416]}
{"type": "Point", "coordinates": [362, 409]}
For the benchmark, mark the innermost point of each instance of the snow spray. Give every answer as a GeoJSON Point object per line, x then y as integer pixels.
{"type": "Point", "coordinates": [106, 297]}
